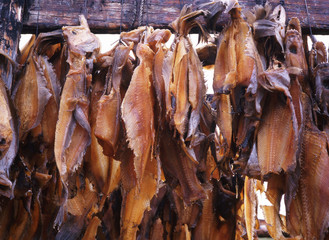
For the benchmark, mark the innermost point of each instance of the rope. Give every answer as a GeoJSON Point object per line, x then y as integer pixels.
{"type": "Point", "coordinates": [147, 13]}
{"type": "Point", "coordinates": [141, 10]}
{"type": "Point", "coordinates": [85, 10]}
{"type": "Point", "coordinates": [181, 4]}
{"type": "Point", "coordinates": [37, 29]}
{"type": "Point", "coordinates": [121, 17]}
{"type": "Point", "coordinates": [308, 21]}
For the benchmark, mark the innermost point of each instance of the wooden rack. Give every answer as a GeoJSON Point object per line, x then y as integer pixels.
{"type": "Point", "coordinates": [106, 16]}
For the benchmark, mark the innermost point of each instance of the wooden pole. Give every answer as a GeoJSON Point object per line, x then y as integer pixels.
{"type": "Point", "coordinates": [104, 16]}
{"type": "Point", "coordinates": [11, 23]}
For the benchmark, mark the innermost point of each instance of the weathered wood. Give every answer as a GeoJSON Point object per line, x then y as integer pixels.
{"type": "Point", "coordinates": [10, 29]}
{"type": "Point", "coordinates": [104, 16]}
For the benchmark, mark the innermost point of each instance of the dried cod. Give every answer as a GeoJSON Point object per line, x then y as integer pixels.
{"type": "Point", "coordinates": [72, 129]}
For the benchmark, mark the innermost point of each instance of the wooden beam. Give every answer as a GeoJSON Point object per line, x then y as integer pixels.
{"type": "Point", "coordinates": [11, 16]}
{"type": "Point", "coordinates": [104, 15]}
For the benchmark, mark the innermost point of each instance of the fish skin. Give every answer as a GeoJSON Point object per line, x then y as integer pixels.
{"type": "Point", "coordinates": [40, 106]}
{"type": "Point", "coordinates": [137, 110]}
{"type": "Point", "coordinates": [280, 106]}
{"type": "Point", "coordinates": [34, 230]}
{"type": "Point", "coordinates": [157, 39]}
{"type": "Point", "coordinates": [98, 163]}
{"type": "Point", "coordinates": [250, 207]}
{"type": "Point", "coordinates": [207, 226]}
{"type": "Point", "coordinates": [167, 73]}
{"type": "Point", "coordinates": [179, 86]}
{"type": "Point", "coordinates": [224, 122]}
{"type": "Point", "coordinates": [308, 213]}
{"type": "Point", "coordinates": [177, 164]}
{"type": "Point", "coordinates": [234, 61]}
{"type": "Point", "coordinates": [183, 72]}
{"type": "Point", "coordinates": [273, 157]}
{"type": "Point", "coordinates": [197, 90]}
{"type": "Point", "coordinates": [157, 230]}
{"type": "Point", "coordinates": [182, 234]}
{"type": "Point", "coordinates": [186, 214]}
{"type": "Point", "coordinates": [83, 201]}
{"type": "Point", "coordinates": [295, 59]}
{"type": "Point", "coordinates": [321, 72]}
{"type": "Point", "coordinates": [137, 201]}
{"type": "Point", "coordinates": [20, 221]}
{"type": "Point", "coordinates": [26, 51]}
{"type": "Point", "coordinates": [9, 139]}
{"type": "Point", "coordinates": [236, 69]}
{"type": "Point", "coordinates": [91, 230]}
{"type": "Point", "coordinates": [147, 225]}
{"type": "Point", "coordinates": [30, 106]}
{"type": "Point", "coordinates": [275, 189]}
{"type": "Point", "coordinates": [210, 226]}
{"type": "Point", "coordinates": [104, 169]}
{"type": "Point", "coordinates": [107, 126]}
{"type": "Point", "coordinates": [72, 129]}
{"type": "Point", "coordinates": [50, 113]}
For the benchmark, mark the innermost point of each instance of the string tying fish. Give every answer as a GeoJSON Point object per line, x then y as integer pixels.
{"type": "Point", "coordinates": [147, 13]}
{"type": "Point", "coordinates": [308, 22]}
{"type": "Point", "coordinates": [85, 10]}
{"type": "Point", "coordinates": [141, 10]}
{"type": "Point", "coordinates": [37, 28]}
{"type": "Point", "coordinates": [121, 18]}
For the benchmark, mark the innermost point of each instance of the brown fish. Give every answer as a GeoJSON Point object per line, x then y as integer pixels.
{"type": "Point", "coordinates": [274, 125]}
{"type": "Point", "coordinates": [98, 163]}
{"type": "Point", "coordinates": [250, 207]}
{"type": "Point", "coordinates": [178, 164]}
{"type": "Point", "coordinates": [30, 106]}
{"type": "Point", "coordinates": [8, 139]}
{"type": "Point", "coordinates": [137, 110]}
{"type": "Point", "coordinates": [107, 126]}
{"type": "Point", "coordinates": [234, 61]}
{"type": "Point", "coordinates": [91, 230]}
{"type": "Point", "coordinates": [308, 214]}
{"type": "Point", "coordinates": [186, 85]}
{"type": "Point", "coordinates": [72, 129]}
{"type": "Point", "coordinates": [137, 201]}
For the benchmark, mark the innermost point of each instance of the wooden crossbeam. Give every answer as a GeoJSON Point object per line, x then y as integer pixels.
{"type": "Point", "coordinates": [104, 16]}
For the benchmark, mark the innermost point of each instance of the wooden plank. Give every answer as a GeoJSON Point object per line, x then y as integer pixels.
{"type": "Point", "coordinates": [104, 15]}
{"type": "Point", "coordinates": [11, 15]}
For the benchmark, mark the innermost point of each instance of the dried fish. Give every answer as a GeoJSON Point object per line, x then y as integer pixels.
{"type": "Point", "coordinates": [307, 215]}
{"type": "Point", "coordinates": [127, 145]}
{"type": "Point", "coordinates": [72, 129]}
{"type": "Point", "coordinates": [104, 169]}
{"type": "Point", "coordinates": [137, 200]}
{"type": "Point", "coordinates": [184, 69]}
{"type": "Point", "coordinates": [178, 165]}
{"type": "Point", "coordinates": [250, 207]}
{"type": "Point", "coordinates": [137, 111]}
{"type": "Point", "coordinates": [30, 106]}
{"type": "Point", "coordinates": [107, 126]}
{"type": "Point", "coordinates": [8, 140]}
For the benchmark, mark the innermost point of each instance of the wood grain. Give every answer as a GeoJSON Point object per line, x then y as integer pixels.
{"type": "Point", "coordinates": [11, 16]}
{"type": "Point", "coordinates": [104, 16]}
